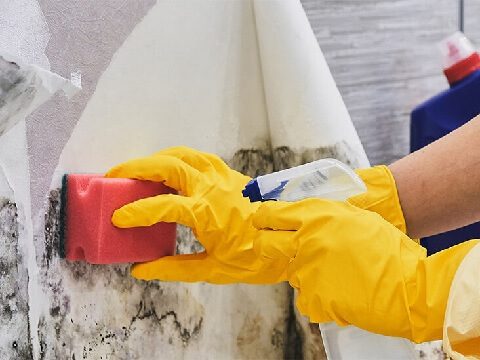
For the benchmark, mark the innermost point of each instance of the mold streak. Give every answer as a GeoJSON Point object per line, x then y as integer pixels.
{"type": "Point", "coordinates": [14, 325]}
{"type": "Point", "coordinates": [17, 91]}
{"type": "Point", "coordinates": [100, 312]}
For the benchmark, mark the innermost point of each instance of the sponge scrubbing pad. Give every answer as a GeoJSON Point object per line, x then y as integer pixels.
{"type": "Point", "coordinates": [88, 202]}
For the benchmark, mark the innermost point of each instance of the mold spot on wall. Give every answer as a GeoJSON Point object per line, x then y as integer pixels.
{"type": "Point", "coordinates": [14, 326]}
{"type": "Point", "coordinates": [101, 312]}
{"type": "Point", "coordinates": [277, 338]}
{"type": "Point", "coordinates": [293, 337]}
{"type": "Point", "coordinates": [52, 228]}
{"type": "Point", "coordinates": [186, 241]}
{"type": "Point", "coordinates": [9, 77]}
{"type": "Point", "coordinates": [308, 340]}
{"type": "Point", "coordinates": [341, 151]}
{"type": "Point", "coordinates": [431, 351]}
{"type": "Point", "coordinates": [249, 331]}
{"type": "Point", "coordinates": [313, 344]}
{"type": "Point", "coordinates": [184, 333]}
{"type": "Point", "coordinates": [284, 157]}
{"type": "Point", "coordinates": [252, 162]}
{"type": "Point", "coordinates": [17, 90]}
{"type": "Point", "coordinates": [253, 342]}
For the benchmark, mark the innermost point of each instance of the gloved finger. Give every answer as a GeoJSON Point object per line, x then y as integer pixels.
{"type": "Point", "coordinates": [192, 157]}
{"type": "Point", "coordinates": [149, 211]}
{"type": "Point", "coordinates": [170, 170]}
{"type": "Point", "coordinates": [188, 268]}
{"type": "Point", "coordinates": [277, 215]}
{"type": "Point", "coordinates": [275, 244]}
{"type": "Point", "coordinates": [281, 215]}
{"type": "Point", "coordinates": [319, 316]}
{"type": "Point", "coordinates": [292, 274]}
{"type": "Point", "coordinates": [202, 161]}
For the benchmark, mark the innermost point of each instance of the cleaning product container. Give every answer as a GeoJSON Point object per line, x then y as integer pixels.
{"type": "Point", "coordinates": [447, 111]}
{"type": "Point", "coordinates": [325, 178]}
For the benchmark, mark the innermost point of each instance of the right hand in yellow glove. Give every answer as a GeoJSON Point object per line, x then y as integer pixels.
{"type": "Point", "coordinates": [353, 267]}
{"type": "Point", "coordinates": [211, 203]}
{"type": "Point", "coordinates": [381, 195]}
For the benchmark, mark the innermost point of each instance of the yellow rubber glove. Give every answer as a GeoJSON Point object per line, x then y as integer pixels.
{"type": "Point", "coordinates": [381, 196]}
{"type": "Point", "coordinates": [211, 203]}
{"type": "Point", "coordinates": [353, 267]}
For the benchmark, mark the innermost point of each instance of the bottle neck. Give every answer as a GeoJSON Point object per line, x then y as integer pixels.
{"type": "Point", "coordinates": [462, 69]}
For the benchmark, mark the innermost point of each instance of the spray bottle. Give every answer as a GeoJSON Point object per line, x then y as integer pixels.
{"type": "Point", "coordinates": [325, 178]}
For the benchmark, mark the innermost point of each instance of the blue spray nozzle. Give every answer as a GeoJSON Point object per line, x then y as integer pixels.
{"type": "Point", "coordinates": [252, 191]}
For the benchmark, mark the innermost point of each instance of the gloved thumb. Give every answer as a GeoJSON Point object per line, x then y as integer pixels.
{"type": "Point", "coordinates": [186, 268]}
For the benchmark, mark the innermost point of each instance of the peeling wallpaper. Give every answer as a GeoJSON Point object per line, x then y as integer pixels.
{"type": "Point", "coordinates": [83, 36]}
{"type": "Point", "coordinates": [24, 31]}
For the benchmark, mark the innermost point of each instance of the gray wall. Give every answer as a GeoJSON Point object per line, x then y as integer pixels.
{"type": "Point", "coordinates": [384, 58]}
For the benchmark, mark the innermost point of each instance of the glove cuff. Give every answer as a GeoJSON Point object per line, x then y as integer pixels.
{"type": "Point", "coordinates": [428, 297]}
{"type": "Point", "coordinates": [381, 196]}
{"type": "Point", "coordinates": [462, 316]}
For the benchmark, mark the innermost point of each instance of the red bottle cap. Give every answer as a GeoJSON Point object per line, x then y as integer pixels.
{"type": "Point", "coordinates": [463, 68]}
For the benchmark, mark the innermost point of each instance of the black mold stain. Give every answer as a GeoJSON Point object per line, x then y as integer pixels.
{"type": "Point", "coordinates": [252, 162]}
{"type": "Point", "coordinates": [249, 333]}
{"type": "Point", "coordinates": [156, 308]}
{"type": "Point", "coordinates": [277, 338]}
{"type": "Point", "coordinates": [148, 312]}
{"type": "Point", "coordinates": [41, 338]}
{"type": "Point", "coordinates": [315, 346]}
{"type": "Point", "coordinates": [52, 228]}
{"type": "Point", "coordinates": [17, 91]}
{"type": "Point", "coordinates": [293, 338]}
{"type": "Point", "coordinates": [187, 243]}
{"type": "Point", "coordinates": [284, 157]}
{"type": "Point", "coordinates": [14, 326]}
{"type": "Point", "coordinates": [9, 76]}
{"type": "Point", "coordinates": [97, 334]}
{"type": "Point", "coordinates": [154, 314]}
{"type": "Point", "coordinates": [256, 162]}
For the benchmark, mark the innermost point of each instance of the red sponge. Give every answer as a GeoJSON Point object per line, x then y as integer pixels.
{"type": "Point", "coordinates": [89, 202]}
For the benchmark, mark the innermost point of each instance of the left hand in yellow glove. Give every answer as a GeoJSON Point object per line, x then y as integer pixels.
{"type": "Point", "coordinates": [353, 267]}
{"type": "Point", "coordinates": [211, 203]}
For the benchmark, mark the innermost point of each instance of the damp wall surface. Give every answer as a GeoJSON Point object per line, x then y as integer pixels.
{"type": "Point", "coordinates": [122, 52]}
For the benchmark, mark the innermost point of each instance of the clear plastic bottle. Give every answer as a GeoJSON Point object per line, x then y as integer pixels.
{"type": "Point", "coordinates": [325, 178]}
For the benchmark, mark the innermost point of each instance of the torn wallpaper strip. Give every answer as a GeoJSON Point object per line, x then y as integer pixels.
{"type": "Point", "coordinates": [23, 88]}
